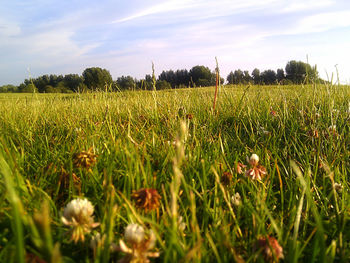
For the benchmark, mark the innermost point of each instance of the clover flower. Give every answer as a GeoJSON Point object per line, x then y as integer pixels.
{"type": "Point", "coordinates": [134, 234]}
{"type": "Point", "coordinates": [313, 133]}
{"type": "Point", "coordinates": [240, 167]}
{"type": "Point", "coordinates": [146, 198]}
{"type": "Point", "coordinates": [236, 199]}
{"type": "Point", "coordinates": [137, 245]}
{"type": "Point", "coordinates": [272, 251]}
{"type": "Point", "coordinates": [78, 215]}
{"type": "Point", "coordinates": [84, 159]}
{"type": "Point", "coordinates": [273, 113]}
{"type": "Point", "coordinates": [338, 187]}
{"type": "Point", "coordinates": [257, 171]}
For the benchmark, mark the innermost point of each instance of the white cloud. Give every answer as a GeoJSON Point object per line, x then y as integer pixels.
{"type": "Point", "coordinates": [303, 5]}
{"type": "Point", "coordinates": [8, 29]}
{"type": "Point", "coordinates": [322, 22]}
{"type": "Point", "coordinates": [197, 10]}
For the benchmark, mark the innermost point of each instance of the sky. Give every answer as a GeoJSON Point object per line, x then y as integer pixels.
{"type": "Point", "coordinates": [40, 37]}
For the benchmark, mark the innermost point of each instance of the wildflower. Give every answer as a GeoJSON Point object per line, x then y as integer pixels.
{"type": "Point", "coordinates": [240, 167]}
{"type": "Point", "coordinates": [236, 199]}
{"type": "Point", "coordinates": [64, 181]}
{"type": "Point", "coordinates": [262, 130]}
{"type": "Point", "coordinates": [137, 245]}
{"type": "Point", "coordinates": [332, 128]}
{"type": "Point", "coordinates": [272, 251]}
{"type": "Point", "coordinates": [189, 116]}
{"type": "Point", "coordinates": [338, 187]}
{"type": "Point", "coordinates": [171, 143]}
{"type": "Point", "coordinates": [134, 234]}
{"type": "Point", "coordinates": [257, 171]}
{"type": "Point", "coordinates": [84, 159]}
{"type": "Point", "coordinates": [313, 133]}
{"type": "Point", "coordinates": [226, 178]}
{"type": "Point", "coordinates": [97, 242]}
{"type": "Point", "coordinates": [273, 113]}
{"type": "Point", "coordinates": [32, 258]}
{"type": "Point", "coordinates": [254, 160]}
{"type": "Point", "coordinates": [78, 215]}
{"type": "Point", "coordinates": [146, 198]}
{"type": "Point", "coordinates": [181, 224]}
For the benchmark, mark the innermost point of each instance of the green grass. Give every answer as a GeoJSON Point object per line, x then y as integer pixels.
{"type": "Point", "coordinates": [132, 134]}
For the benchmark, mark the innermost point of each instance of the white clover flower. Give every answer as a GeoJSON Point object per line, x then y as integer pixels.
{"type": "Point", "coordinates": [257, 171]}
{"type": "Point", "coordinates": [254, 160]}
{"type": "Point", "coordinates": [338, 187]}
{"type": "Point", "coordinates": [138, 245]}
{"type": "Point", "coordinates": [181, 224]}
{"type": "Point", "coordinates": [78, 215]}
{"type": "Point", "coordinates": [332, 128]}
{"type": "Point", "coordinates": [236, 199]}
{"type": "Point", "coordinates": [134, 234]}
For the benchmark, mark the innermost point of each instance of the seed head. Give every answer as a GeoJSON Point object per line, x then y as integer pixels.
{"type": "Point", "coordinates": [272, 251]}
{"type": "Point", "coordinates": [146, 198]}
{"type": "Point", "coordinates": [226, 178]}
{"type": "Point", "coordinates": [84, 159]}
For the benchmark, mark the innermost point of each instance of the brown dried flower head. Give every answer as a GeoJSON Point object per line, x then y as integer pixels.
{"type": "Point", "coordinates": [32, 258]}
{"type": "Point", "coordinates": [64, 180]}
{"type": "Point", "coordinates": [146, 198]}
{"type": "Point", "coordinates": [84, 159]}
{"type": "Point", "coordinates": [189, 116]}
{"type": "Point", "coordinates": [313, 133]}
{"type": "Point", "coordinates": [271, 249]}
{"type": "Point", "coordinates": [226, 178]}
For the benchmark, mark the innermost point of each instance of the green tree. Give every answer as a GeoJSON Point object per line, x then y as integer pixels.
{"type": "Point", "coordinates": [280, 75]}
{"type": "Point", "coordinates": [126, 83]}
{"type": "Point", "coordinates": [201, 75]}
{"type": "Point", "coordinates": [50, 89]}
{"type": "Point", "coordinates": [256, 76]}
{"type": "Point", "coordinates": [96, 78]}
{"type": "Point", "coordinates": [30, 88]}
{"type": "Point", "coordinates": [230, 78]}
{"type": "Point", "coordinates": [73, 81]}
{"type": "Point", "coordinates": [298, 72]}
{"type": "Point", "coordinates": [163, 84]}
{"type": "Point", "coordinates": [268, 77]}
{"type": "Point", "coordinates": [168, 76]}
{"type": "Point", "coordinates": [182, 78]}
{"type": "Point", "coordinates": [246, 78]}
{"type": "Point", "coordinates": [8, 88]}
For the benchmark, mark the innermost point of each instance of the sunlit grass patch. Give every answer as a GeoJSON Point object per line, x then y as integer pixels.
{"type": "Point", "coordinates": [200, 185]}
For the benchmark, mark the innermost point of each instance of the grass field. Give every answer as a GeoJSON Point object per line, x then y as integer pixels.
{"type": "Point", "coordinates": [106, 146]}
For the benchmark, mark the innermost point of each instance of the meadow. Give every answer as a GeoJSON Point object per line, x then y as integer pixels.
{"type": "Point", "coordinates": [175, 180]}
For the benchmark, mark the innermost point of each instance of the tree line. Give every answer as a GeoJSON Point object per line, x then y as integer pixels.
{"type": "Point", "coordinates": [95, 78]}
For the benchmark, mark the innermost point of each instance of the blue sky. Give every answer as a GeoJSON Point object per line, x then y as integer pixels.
{"type": "Point", "coordinates": [40, 37]}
